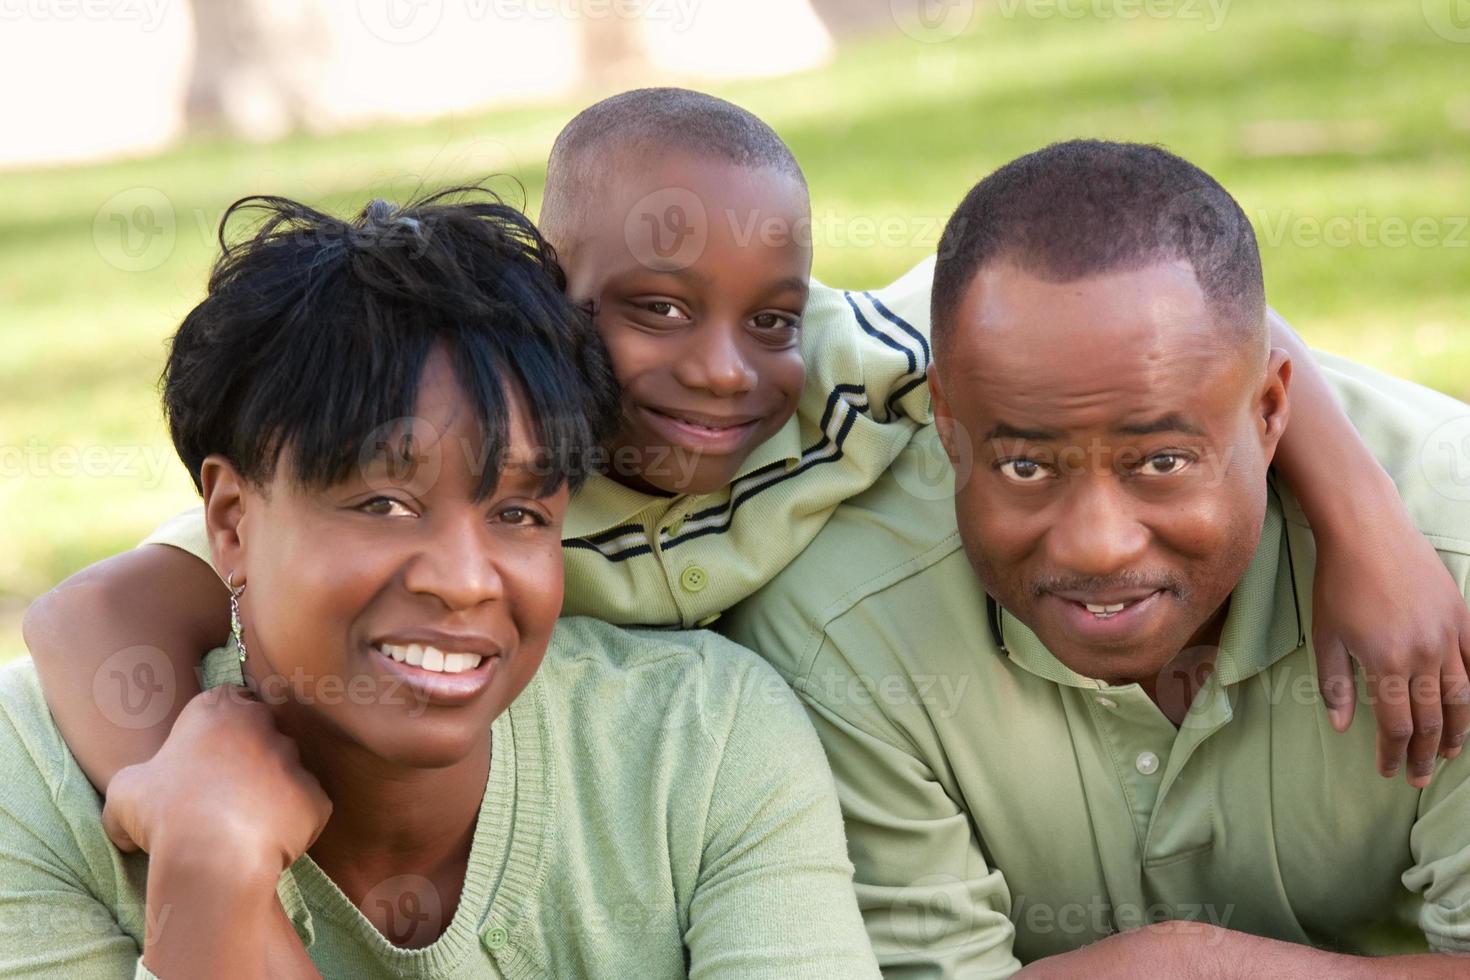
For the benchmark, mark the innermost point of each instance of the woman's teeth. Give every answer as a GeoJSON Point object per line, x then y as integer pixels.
{"type": "Point", "coordinates": [432, 658]}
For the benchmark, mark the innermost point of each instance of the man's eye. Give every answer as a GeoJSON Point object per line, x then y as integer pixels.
{"type": "Point", "coordinates": [1164, 464]}
{"type": "Point", "coordinates": [385, 507]}
{"type": "Point", "coordinates": [1023, 470]}
{"type": "Point", "coordinates": [522, 517]}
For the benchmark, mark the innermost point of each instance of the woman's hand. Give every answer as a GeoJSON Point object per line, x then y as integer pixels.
{"type": "Point", "coordinates": [1383, 598]}
{"type": "Point", "coordinates": [225, 779]}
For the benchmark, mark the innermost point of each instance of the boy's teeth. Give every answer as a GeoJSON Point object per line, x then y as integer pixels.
{"type": "Point", "coordinates": [432, 658]}
{"type": "Point", "coordinates": [1108, 610]}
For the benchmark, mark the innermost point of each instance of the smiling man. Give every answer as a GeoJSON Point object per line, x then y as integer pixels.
{"type": "Point", "coordinates": [1123, 593]}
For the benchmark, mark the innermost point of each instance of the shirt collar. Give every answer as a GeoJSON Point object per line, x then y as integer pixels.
{"type": "Point", "coordinates": [603, 504]}
{"type": "Point", "coordinates": [1263, 625]}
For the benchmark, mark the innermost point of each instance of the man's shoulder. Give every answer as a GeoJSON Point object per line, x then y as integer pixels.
{"type": "Point", "coordinates": [1421, 437]}
{"type": "Point", "coordinates": [901, 529]}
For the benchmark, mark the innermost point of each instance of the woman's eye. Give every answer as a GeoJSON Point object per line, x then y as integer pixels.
{"type": "Point", "coordinates": [385, 507]}
{"type": "Point", "coordinates": [1163, 464]}
{"type": "Point", "coordinates": [522, 517]}
{"type": "Point", "coordinates": [664, 308]}
{"type": "Point", "coordinates": [1023, 470]}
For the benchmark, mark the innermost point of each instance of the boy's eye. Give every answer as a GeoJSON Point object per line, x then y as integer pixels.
{"type": "Point", "coordinates": [774, 321]}
{"type": "Point", "coordinates": [385, 507]}
{"type": "Point", "coordinates": [1022, 470]}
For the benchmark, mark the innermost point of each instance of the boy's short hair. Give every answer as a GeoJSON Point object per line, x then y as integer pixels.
{"type": "Point", "coordinates": [1087, 207]}
{"type": "Point", "coordinates": [649, 122]}
{"type": "Point", "coordinates": [315, 332]}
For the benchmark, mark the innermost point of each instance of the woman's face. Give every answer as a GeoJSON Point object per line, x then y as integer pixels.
{"type": "Point", "coordinates": [394, 609]}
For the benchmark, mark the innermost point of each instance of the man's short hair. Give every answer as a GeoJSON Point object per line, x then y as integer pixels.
{"type": "Point", "coordinates": [644, 124]}
{"type": "Point", "coordinates": [315, 332]}
{"type": "Point", "coordinates": [1088, 207]}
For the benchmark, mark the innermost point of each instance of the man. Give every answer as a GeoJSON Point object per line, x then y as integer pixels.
{"type": "Point", "coordinates": [1070, 692]}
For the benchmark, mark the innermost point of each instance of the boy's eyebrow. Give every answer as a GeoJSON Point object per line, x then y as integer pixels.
{"type": "Point", "coordinates": [791, 284]}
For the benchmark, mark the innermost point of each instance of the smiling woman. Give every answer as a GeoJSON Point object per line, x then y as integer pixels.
{"type": "Point", "coordinates": [404, 764]}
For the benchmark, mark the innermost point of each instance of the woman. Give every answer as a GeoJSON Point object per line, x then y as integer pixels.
{"type": "Point", "coordinates": [424, 774]}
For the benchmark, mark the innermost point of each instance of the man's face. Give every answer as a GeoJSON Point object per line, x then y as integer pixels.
{"type": "Point", "coordinates": [1120, 442]}
{"type": "Point", "coordinates": [697, 272]}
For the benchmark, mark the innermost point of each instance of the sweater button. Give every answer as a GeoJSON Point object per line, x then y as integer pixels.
{"type": "Point", "coordinates": [694, 579]}
{"type": "Point", "coordinates": [496, 937]}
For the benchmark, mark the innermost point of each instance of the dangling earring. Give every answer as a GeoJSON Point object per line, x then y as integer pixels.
{"type": "Point", "coordinates": [237, 630]}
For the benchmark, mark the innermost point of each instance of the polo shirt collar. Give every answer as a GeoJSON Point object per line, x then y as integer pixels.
{"type": "Point", "coordinates": [603, 503]}
{"type": "Point", "coordinates": [1263, 625]}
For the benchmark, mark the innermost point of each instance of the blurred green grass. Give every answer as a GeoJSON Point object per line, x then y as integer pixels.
{"type": "Point", "coordinates": [1337, 123]}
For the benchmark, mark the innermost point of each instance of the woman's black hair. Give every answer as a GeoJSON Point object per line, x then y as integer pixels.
{"type": "Point", "coordinates": [315, 332]}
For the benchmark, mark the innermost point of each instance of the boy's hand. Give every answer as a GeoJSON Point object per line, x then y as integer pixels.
{"type": "Point", "coordinates": [225, 779]}
{"type": "Point", "coordinates": [1385, 599]}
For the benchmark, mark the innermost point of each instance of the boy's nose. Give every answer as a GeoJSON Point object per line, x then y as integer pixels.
{"type": "Point", "coordinates": [712, 361]}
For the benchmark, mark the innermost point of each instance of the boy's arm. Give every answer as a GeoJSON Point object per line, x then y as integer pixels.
{"type": "Point", "coordinates": [1381, 594]}
{"type": "Point", "coordinates": [117, 647]}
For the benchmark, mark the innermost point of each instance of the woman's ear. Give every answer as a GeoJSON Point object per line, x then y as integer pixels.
{"type": "Point", "coordinates": [224, 513]}
{"type": "Point", "coordinates": [1274, 405]}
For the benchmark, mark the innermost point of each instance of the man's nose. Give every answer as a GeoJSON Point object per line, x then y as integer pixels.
{"type": "Point", "coordinates": [1097, 531]}
{"type": "Point", "coordinates": [713, 361]}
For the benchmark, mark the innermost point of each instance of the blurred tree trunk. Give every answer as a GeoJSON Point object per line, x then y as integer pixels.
{"type": "Point", "coordinates": [252, 68]}
{"type": "Point", "coordinates": [613, 55]}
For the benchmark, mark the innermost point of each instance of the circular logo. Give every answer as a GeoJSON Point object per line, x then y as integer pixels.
{"type": "Point", "coordinates": [932, 21]}
{"type": "Point", "coordinates": [931, 476]}
{"type": "Point", "coordinates": [135, 229]}
{"type": "Point", "coordinates": [135, 687]}
{"type": "Point", "coordinates": [1445, 459]}
{"type": "Point", "coordinates": [1206, 225]}
{"type": "Point", "coordinates": [407, 909]}
{"type": "Point", "coordinates": [1450, 19]}
{"type": "Point", "coordinates": [667, 230]}
{"type": "Point", "coordinates": [400, 21]}
{"type": "Point", "coordinates": [406, 451]}
{"type": "Point", "coordinates": [668, 695]}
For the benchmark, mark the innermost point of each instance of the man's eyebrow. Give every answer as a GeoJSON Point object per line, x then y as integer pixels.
{"type": "Point", "coordinates": [1004, 430]}
{"type": "Point", "coordinates": [1170, 422]}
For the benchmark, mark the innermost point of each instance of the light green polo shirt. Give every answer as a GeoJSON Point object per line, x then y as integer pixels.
{"type": "Point", "coordinates": [657, 806]}
{"type": "Point", "coordinates": [640, 559]}
{"type": "Point", "coordinates": [1001, 808]}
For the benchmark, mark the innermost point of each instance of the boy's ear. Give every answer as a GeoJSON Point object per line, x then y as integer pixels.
{"type": "Point", "coordinates": [1273, 407]}
{"type": "Point", "coordinates": [944, 422]}
{"type": "Point", "coordinates": [224, 511]}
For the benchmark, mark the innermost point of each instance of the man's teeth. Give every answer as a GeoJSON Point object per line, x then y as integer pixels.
{"type": "Point", "coordinates": [1105, 611]}
{"type": "Point", "coordinates": [432, 658]}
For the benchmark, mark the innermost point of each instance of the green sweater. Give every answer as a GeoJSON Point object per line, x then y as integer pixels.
{"type": "Point", "coordinates": [658, 805]}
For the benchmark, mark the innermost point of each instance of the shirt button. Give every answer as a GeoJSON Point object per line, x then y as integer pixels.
{"type": "Point", "coordinates": [694, 579]}
{"type": "Point", "coordinates": [1103, 702]}
{"type": "Point", "coordinates": [1146, 763]}
{"type": "Point", "coordinates": [496, 937]}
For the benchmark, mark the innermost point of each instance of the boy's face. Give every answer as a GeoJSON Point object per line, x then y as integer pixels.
{"type": "Point", "coordinates": [697, 270]}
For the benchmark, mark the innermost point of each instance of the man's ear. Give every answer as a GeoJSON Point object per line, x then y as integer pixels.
{"type": "Point", "coordinates": [1273, 407]}
{"type": "Point", "coordinates": [224, 513]}
{"type": "Point", "coordinates": [950, 431]}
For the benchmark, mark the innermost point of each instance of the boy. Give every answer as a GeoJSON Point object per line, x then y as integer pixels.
{"type": "Point", "coordinates": [754, 402]}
